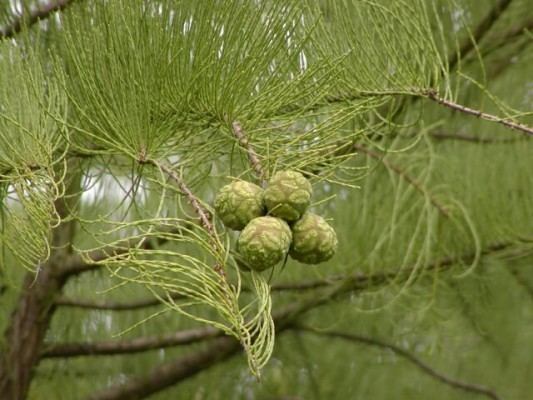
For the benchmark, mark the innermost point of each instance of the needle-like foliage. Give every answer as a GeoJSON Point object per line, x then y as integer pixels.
{"type": "Point", "coordinates": [120, 121]}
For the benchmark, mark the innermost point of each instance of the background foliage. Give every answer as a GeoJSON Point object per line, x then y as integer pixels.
{"type": "Point", "coordinates": [125, 113]}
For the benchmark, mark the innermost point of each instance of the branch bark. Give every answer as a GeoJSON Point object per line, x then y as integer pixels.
{"type": "Point", "coordinates": [175, 372]}
{"type": "Point", "coordinates": [137, 345]}
{"type": "Point", "coordinates": [253, 158]}
{"type": "Point", "coordinates": [488, 117]}
{"type": "Point", "coordinates": [455, 383]}
{"type": "Point", "coordinates": [35, 307]}
{"type": "Point", "coordinates": [473, 139]}
{"type": "Point", "coordinates": [42, 11]}
{"type": "Point", "coordinates": [168, 374]}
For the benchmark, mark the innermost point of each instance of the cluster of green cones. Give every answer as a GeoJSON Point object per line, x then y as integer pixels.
{"type": "Point", "coordinates": [275, 221]}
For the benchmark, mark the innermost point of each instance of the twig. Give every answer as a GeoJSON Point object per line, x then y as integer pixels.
{"type": "Point", "coordinates": [405, 176]}
{"type": "Point", "coordinates": [42, 11]}
{"type": "Point", "coordinates": [465, 386]}
{"type": "Point", "coordinates": [201, 211]}
{"type": "Point", "coordinates": [470, 111]}
{"type": "Point", "coordinates": [111, 347]}
{"type": "Point", "coordinates": [253, 158]}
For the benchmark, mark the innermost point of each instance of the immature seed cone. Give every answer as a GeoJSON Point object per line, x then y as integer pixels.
{"type": "Point", "coordinates": [264, 242]}
{"type": "Point", "coordinates": [288, 195]}
{"type": "Point", "coordinates": [238, 203]}
{"type": "Point", "coordinates": [313, 240]}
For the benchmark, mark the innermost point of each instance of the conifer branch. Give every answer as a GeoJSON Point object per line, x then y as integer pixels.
{"type": "Point", "coordinates": [479, 33]}
{"type": "Point", "coordinates": [455, 383]}
{"type": "Point", "coordinates": [42, 11]}
{"type": "Point", "coordinates": [253, 158]}
{"type": "Point", "coordinates": [470, 111]}
{"type": "Point", "coordinates": [201, 211]}
{"type": "Point", "coordinates": [122, 346]}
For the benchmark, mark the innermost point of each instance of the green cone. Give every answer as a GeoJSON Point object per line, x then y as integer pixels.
{"type": "Point", "coordinates": [288, 195]}
{"type": "Point", "coordinates": [238, 203]}
{"type": "Point", "coordinates": [264, 242]}
{"type": "Point", "coordinates": [314, 240]}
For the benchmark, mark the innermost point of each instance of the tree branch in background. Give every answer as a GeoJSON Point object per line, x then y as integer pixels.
{"type": "Point", "coordinates": [253, 158]}
{"type": "Point", "coordinates": [470, 111]}
{"type": "Point", "coordinates": [481, 30]}
{"type": "Point", "coordinates": [122, 346]}
{"type": "Point", "coordinates": [171, 373]}
{"type": "Point", "coordinates": [41, 11]}
{"type": "Point", "coordinates": [465, 386]}
{"type": "Point", "coordinates": [473, 139]}
{"type": "Point", "coordinates": [113, 305]}
{"type": "Point", "coordinates": [168, 374]}
{"type": "Point", "coordinates": [405, 176]}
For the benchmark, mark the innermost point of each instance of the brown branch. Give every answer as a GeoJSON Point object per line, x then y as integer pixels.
{"type": "Point", "coordinates": [474, 139]}
{"type": "Point", "coordinates": [481, 30]}
{"type": "Point", "coordinates": [111, 347]}
{"type": "Point", "coordinates": [171, 373]}
{"type": "Point", "coordinates": [42, 11]}
{"type": "Point", "coordinates": [26, 328]}
{"type": "Point", "coordinates": [200, 210]}
{"type": "Point", "coordinates": [64, 301]}
{"type": "Point", "coordinates": [405, 176]}
{"type": "Point", "coordinates": [253, 158]}
{"type": "Point", "coordinates": [455, 383]}
{"type": "Point", "coordinates": [470, 111]}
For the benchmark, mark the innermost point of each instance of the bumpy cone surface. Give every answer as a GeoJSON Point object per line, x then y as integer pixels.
{"type": "Point", "coordinates": [238, 203]}
{"type": "Point", "coordinates": [264, 242]}
{"type": "Point", "coordinates": [288, 195]}
{"type": "Point", "coordinates": [314, 240]}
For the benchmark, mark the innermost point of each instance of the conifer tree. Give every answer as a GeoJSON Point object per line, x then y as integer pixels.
{"type": "Point", "coordinates": [172, 170]}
